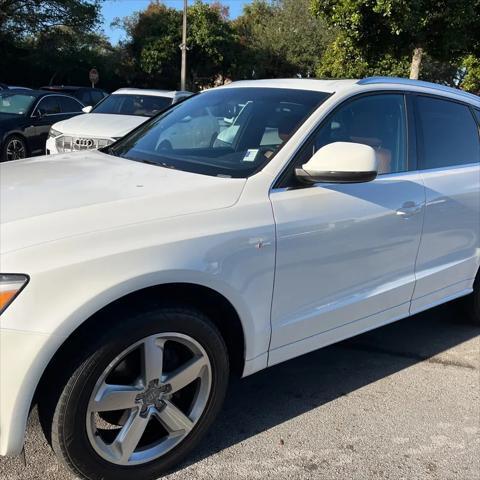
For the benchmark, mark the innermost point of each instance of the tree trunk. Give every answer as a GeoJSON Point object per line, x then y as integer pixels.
{"type": "Point", "coordinates": [416, 63]}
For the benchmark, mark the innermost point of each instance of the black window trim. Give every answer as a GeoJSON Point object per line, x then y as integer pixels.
{"type": "Point", "coordinates": [476, 116]}
{"type": "Point", "coordinates": [411, 147]}
{"type": "Point", "coordinates": [419, 132]}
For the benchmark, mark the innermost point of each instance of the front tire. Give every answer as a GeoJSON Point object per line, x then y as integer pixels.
{"type": "Point", "coordinates": [142, 397]}
{"type": "Point", "coordinates": [14, 148]}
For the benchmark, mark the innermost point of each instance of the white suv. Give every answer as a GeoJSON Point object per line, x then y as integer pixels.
{"type": "Point", "coordinates": [295, 214]}
{"type": "Point", "coordinates": [110, 119]}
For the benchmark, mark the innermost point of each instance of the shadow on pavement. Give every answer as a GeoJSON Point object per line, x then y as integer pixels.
{"type": "Point", "coordinates": [280, 393]}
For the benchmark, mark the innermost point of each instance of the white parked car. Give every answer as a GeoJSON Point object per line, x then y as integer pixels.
{"type": "Point", "coordinates": [111, 119]}
{"type": "Point", "coordinates": [137, 278]}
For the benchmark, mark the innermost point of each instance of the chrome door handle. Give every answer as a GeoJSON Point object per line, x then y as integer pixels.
{"type": "Point", "coordinates": [408, 209]}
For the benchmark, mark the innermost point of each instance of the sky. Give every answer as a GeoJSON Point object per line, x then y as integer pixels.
{"type": "Point", "coordinates": [121, 8]}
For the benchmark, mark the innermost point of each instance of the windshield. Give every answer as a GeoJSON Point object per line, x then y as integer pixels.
{"type": "Point", "coordinates": [140, 105]}
{"type": "Point", "coordinates": [229, 132]}
{"type": "Point", "coordinates": [15, 103]}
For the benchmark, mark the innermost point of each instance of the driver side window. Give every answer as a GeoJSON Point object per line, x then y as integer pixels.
{"type": "Point", "coordinates": [378, 121]}
{"type": "Point", "coordinates": [49, 106]}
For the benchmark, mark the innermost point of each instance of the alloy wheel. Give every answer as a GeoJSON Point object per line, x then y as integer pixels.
{"type": "Point", "coordinates": [15, 149]}
{"type": "Point", "coordinates": [148, 399]}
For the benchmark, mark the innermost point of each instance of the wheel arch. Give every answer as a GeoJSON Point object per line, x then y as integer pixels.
{"type": "Point", "coordinates": [207, 300]}
{"type": "Point", "coordinates": [14, 133]}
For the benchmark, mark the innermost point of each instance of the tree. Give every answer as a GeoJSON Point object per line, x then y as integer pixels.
{"type": "Point", "coordinates": [343, 59]}
{"type": "Point", "coordinates": [211, 41]}
{"type": "Point", "coordinates": [281, 38]}
{"type": "Point", "coordinates": [470, 69]}
{"type": "Point", "coordinates": [444, 29]}
{"type": "Point", "coordinates": [29, 17]}
{"type": "Point", "coordinates": [154, 36]}
{"type": "Point", "coordinates": [50, 40]}
{"type": "Point", "coordinates": [152, 46]}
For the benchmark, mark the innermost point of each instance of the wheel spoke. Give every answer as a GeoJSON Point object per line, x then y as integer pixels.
{"type": "Point", "coordinates": [15, 150]}
{"type": "Point", "coordinates": [115, 397]}
{"type": "Point", "coordinates": [152, 359]}
{"type": "Point", "coordinates": [174, 420]}
{"type": "Point", "coordinates": [130, 435]}
{"type": "Point", "coordinates": [148, 395]}
{"type": "Point", "coordinates": [186, 374]}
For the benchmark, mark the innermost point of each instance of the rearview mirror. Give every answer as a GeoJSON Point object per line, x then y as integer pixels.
{"type": "Point", "coordinates": [87, 109]}
{"type": "Point", "coordinates": [340, 162]}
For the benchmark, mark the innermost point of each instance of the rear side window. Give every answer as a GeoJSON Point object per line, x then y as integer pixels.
{"type": "Point", "coordinates": [447, 132]}
{"type": "Point", "coordinates": [69, 105]}
{"type": "Point", "coordinates": [477, 113]}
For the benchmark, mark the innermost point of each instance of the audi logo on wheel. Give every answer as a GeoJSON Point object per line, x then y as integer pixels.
{"type": "Point", "coordinates": [84, 142]}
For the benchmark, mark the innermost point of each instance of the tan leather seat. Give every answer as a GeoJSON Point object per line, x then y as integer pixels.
{"type": "Point", "coordinates": [365, 129]}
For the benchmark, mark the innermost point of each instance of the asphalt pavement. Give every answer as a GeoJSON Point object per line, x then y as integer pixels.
{"type": "Point", "coordinates": [401, 402]}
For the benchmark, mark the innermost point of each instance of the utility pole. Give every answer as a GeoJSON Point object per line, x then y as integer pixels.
{"type": "Point", "coordinates": [183, 47]}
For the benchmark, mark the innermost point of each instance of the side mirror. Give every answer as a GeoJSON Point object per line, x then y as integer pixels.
{"type": "Point", "coordinates": [87, 109]}
{"type": "Point", "coordinates": [340, 162]}
{"type": "Point", "coordinates": [38, 113]}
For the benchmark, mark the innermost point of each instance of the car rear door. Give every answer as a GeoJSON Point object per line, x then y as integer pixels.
{"type": "Point", "coordinates": [346, 252]}
{"type": "Point", "coordinates": [449, 156]}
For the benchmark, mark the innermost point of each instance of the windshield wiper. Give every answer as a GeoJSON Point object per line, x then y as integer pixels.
{"type": "Point", "coordinates": [157, 164]}
{"type": "Point", "coordinates": [111, 151]}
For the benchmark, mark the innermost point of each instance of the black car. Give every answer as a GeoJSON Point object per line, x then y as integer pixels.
{"type": "Point", "coordinates": [26, 117]}
{"type": "Point", "coordinates": [88, 96]}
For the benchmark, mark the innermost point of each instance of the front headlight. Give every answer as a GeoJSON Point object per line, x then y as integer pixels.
{"type": "Point", "coordinates": [10, 286]}
{"type": "Point", "coordinates": [53, 133]}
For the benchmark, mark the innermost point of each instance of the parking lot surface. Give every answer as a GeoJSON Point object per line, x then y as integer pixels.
{"type": "Point", "coordinates": [401, 402]}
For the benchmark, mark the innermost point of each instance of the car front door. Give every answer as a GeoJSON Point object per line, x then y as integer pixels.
{"type": "Point", "coordinates": [46, 113]}
{"type": "Point", "coordinates": [346, 252]}
{"type": "Point", "coordinates": [449, 156]}
{"type": "Point", "coordinates": [50, 110]}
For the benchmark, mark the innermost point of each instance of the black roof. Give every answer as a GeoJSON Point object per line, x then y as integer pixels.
{"type": "Point", "coordinates": [33, 93]}
{"type": "Point", "coordinates": [69, 88]}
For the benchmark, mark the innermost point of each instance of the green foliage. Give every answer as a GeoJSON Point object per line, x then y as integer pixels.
{"type": "Point", "coordinates": [152, 47]}
{"type": "Point", "coordinates": [154, 37]}
{"type": "Point", "coordinates": [471, 74]}
{"type": "Point", "coordinates": [27, 17]}
{"type": "Point", "coordinates": [211, 41]}
{"type": "Point", "coordinates": [281, 38]}
{"type": "Point", "coordinates": [344, 60]}
{"type": "Point", "coordinates": [54, 41]}
{"type": "Point", "coordinates": [58, 41]}
{"type": "Point", "coordinates": [380, 29]}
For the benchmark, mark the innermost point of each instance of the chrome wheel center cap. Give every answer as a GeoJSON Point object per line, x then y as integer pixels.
{"type": "Point", "coordinates": [152, 397]}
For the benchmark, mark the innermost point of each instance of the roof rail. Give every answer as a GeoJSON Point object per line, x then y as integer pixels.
{"type": "Point", "coordinates": [418, 83]}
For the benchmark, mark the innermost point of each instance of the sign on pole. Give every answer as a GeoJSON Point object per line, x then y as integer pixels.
{"type": "Point", "coordinates": [93, 76]}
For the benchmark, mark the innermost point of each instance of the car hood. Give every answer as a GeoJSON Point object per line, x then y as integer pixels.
{"type": "Point", "coordinates": [102, 125]}
{"type": "Point", "coordinates": [54, 197]}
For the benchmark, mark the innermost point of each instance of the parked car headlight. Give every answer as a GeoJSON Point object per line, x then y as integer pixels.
{"type": "Point", "coordinates": [10, 286]}
{"type": "Point", "coordinates": [54, 133]}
